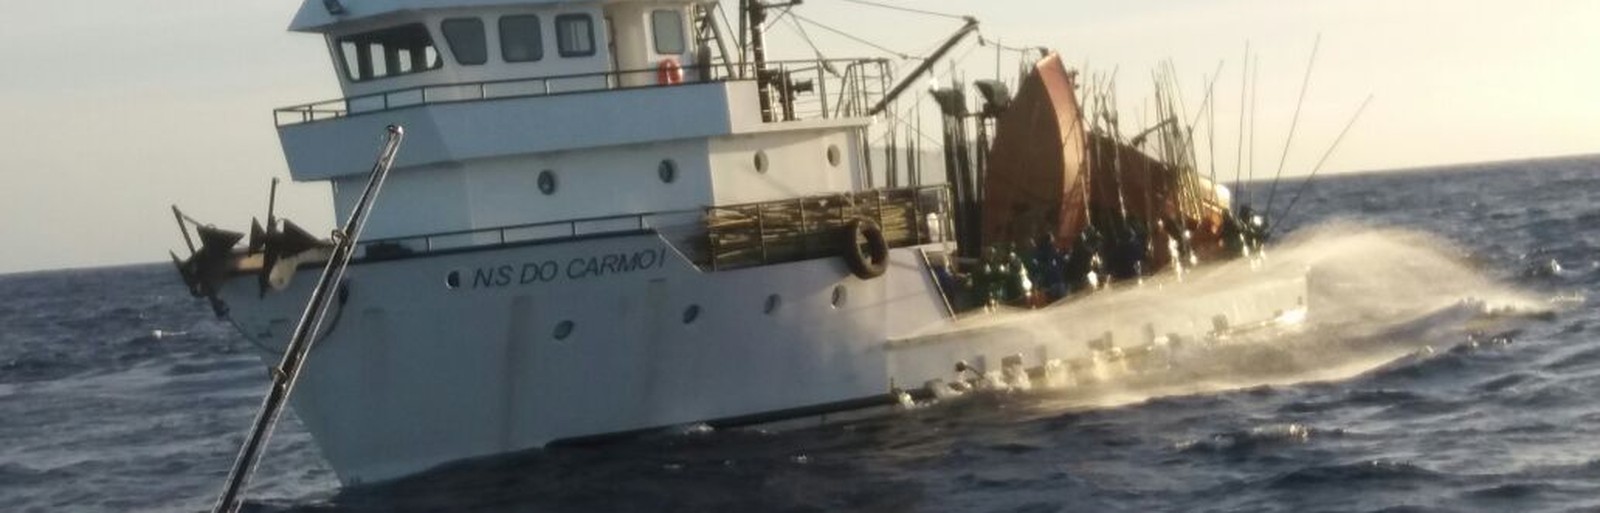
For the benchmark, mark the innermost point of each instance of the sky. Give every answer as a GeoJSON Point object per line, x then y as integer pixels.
{"type": "Point", "coordinates": [112, 110]}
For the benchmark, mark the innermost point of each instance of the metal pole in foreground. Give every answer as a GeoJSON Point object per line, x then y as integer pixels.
{"type": "Point", "coordinates": [287, 372]}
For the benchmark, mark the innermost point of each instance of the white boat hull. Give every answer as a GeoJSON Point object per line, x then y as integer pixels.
{"type": "Point", "coordinates": [413, 373]}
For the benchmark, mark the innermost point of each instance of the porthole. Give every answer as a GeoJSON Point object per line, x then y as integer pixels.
{"type": "Point", "coordinates": [691, 313]}
{"type": "Point", "coordinates": [838, 296]}
{"type": "Point", "coordinates": [547, 182]}
{"type": "Point", "coordinates": [563, 330]}
{"type": "Point", "coordinates": [667, 171]}
{"type": "Point", "coordinates": [761, 161]}
{"type": "Point", "coordinates": [833, 155]}
{"type": "Point", "coordinates": [773, 301]}
{"type": "Point", "coordinates": [453, 280]}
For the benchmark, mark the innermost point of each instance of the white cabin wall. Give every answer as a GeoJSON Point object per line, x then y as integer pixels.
{"type": "Point", "coordinates": [797, 165]}
{"type": "Point", "coordinates": [620, 180]}
{"type": "Point", "coordinates": [417, 200]}
{"type": "Point", "coordinates": [500, 192]}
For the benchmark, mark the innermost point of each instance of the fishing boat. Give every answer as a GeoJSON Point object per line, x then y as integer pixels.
{"type": "Point", "coordinates": [617, 216]}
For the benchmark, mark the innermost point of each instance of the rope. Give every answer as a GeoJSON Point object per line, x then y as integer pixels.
{"type": "Point", "coordinates": [775, 19]}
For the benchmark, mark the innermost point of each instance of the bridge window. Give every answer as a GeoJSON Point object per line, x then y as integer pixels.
{"type": "Point", "coordinates": [575, 35]}
{"type": "Point", "coordinates": [388, 52]}
{"type": "Point", "coordinates": [521, 39]}
{"type": "Point", "coordinates": [667, 27]}
{"type": "Point", "coordinates": [466, 39]}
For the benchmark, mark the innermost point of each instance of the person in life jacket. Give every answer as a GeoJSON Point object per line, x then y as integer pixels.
{"type": "Point", "coordinates": [1126, 251]}
{"type": "Point", "coordinates": [1082, 267]}
{"type": "Point", "coordinates": [1018, 287]}
{"type": "Point", "coordinates": [1050, 268]}
{"type": "Point", "coordinates": [989, 281]}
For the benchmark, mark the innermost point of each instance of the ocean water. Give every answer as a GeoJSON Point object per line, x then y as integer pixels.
{"type": "Point", "coordinates": [119, 392]}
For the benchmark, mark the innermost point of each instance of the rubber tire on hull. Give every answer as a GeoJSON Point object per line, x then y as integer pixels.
{"type": "Point", "coordinates": [872, 260]}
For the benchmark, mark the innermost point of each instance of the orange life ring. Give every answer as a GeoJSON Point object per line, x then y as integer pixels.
{"type": "Point", "coordinates": [669, 72]}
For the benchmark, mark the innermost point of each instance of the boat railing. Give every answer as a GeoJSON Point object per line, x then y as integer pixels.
{"type": "Point", "coordinates": [799, 89]}
{"type": "Point", "coordinates": [400, 247]}
{"type": "Point", "coordinates": [795, 229]}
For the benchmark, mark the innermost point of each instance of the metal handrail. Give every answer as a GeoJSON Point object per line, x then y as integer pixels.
{"type": "Point", "coordinates": [850, 90]}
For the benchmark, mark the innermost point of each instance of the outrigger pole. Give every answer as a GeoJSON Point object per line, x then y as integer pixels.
{"type": "Point", "coordinates": [287, 372]}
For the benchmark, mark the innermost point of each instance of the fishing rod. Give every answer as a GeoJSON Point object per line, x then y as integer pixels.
{"type": "Point", "coordinates": [1208, 110]}
{"type": "Point", "coordinates": [1307, 183]}
{"type": "Point", "coordinates": [1255, 81]}
{"type": "Point", "coordinates": [1244, 85]}
{"type": "Point", "coordinates": [287, 373]}
{"type": "Point", "coordinates": [1294, 122]}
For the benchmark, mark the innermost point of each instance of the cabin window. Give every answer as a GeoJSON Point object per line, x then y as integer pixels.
{"type": "Point", "coordinates": [466, 39]}
{"type": "Point", "coordinates": [575, 35]}
{"type": "Point", "coordinates": [667, 27]}
{"type": "Point", "coordinates": [521, 39]}
{"type": "Point", "coordinates": [388, 52]}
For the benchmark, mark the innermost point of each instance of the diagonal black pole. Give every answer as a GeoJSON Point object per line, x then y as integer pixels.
{"type": "Point", "coordinates": [287, 372]}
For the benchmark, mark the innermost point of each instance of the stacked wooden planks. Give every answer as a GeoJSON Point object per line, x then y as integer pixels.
{"type": "Point", "coordinates": [813, 227]}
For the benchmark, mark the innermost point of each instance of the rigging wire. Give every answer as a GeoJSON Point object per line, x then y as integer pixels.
{"type": "Point", "coordinates": [986, 41]}
{"type": "Point", "coordinates": [775, 19]}
{"type": "Point", "coordinates": [936, 78]}
{"type": "Point", "coordinates": [806, 37]}
{"type": "Point", "coordinates": [908, 9]}
{"type": "Point", "coordinates": [851, 37]}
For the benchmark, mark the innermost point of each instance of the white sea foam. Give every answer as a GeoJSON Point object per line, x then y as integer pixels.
{"type": "Point", "coordinates": [1374, 295]}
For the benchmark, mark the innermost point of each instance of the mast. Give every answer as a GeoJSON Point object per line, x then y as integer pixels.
{"type": "Point", "coordinates": [756, 13]}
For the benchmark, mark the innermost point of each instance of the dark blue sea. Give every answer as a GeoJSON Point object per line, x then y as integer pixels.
{"type": "Point", "coordinates": [119, 392]}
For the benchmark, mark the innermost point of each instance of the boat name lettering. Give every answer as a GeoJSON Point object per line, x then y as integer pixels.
{"type": "Point", "coordinates": [545, 271]}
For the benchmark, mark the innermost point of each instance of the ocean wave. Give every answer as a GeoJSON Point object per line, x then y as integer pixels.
{"type": "Point", "coordinates": [40, 367]}
{"type": "Point", "coordinates": [16, 474]}
{"type": "Point", "coordinates": [1371, 473]}
{"type": "Point", "coordinates": [1511, 491]}
{"type": "Point", "coordinates": [1583, 358]}
{"type": "Point", "coordinates": [1242, 442]}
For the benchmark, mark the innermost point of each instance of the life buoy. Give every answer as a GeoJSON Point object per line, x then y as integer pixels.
{"type": "Point", "coordinates": [869, 261]}
{"type": "Point", "coordinates": [669, 72]}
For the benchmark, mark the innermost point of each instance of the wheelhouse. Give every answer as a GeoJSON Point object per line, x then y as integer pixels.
{"type": "Point", "coordinates": [591, 45]}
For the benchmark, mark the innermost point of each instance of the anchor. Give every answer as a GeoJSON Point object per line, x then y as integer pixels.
{"type": "Point", "coordinates": [210, 264]}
